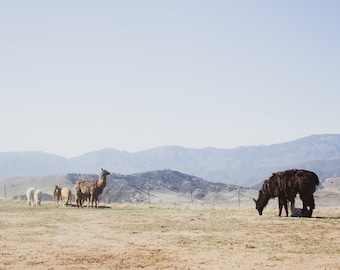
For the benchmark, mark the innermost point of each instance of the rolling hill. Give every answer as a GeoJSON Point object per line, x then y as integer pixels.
{"type": "Point", "coordinates": [163, 187]}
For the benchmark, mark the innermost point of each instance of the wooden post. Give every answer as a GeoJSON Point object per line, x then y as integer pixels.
{"type": "Point", "coordinates": [5, 191]}
{"type": "Point", "coordinates": [148, 194]}
{"type": "Point", "coordinates": [192, 200]}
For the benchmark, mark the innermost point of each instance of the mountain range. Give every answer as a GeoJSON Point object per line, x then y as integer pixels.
{"type": "Point", "coordinates": [244, 166]}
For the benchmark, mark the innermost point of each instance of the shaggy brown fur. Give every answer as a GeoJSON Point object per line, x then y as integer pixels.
{"type": "Point", "coordinates": [285, 185]}
{"type": "Point", "coordinates": [90, 189]}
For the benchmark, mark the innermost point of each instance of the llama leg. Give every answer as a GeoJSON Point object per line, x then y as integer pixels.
{"type": "Point", "coordinates": [79, 200]}
{"type": "Point", "coordinates": [305, 203]}
{"type": "Point", "coordinates": [286, 207]}
{"type": "Point", "coordinates": [292, 203]}
{"type": "Point", "coordinates": [91, 200]}
{"type": "Point", "coordinates": [312, 203]}
{"type": "Point", "coordinates": [280, 207]}
{"type": "Point", "coordinates": [312, 206]}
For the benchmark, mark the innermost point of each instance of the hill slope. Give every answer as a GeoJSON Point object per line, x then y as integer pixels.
{"type": "Point", "coordinates": [163, 187]}
{"type": "Point", "coordinates": [156, 187]}
{"type": "Point", "coordinates": [242, 166]}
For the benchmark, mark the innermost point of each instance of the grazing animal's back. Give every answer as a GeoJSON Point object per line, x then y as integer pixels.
{"type": "Point", "coordinates": [85, 186]}
{"type": "Point", "coordinates": [307, 181]}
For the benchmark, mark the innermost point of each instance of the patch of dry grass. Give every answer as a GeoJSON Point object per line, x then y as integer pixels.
{"type": "Point", "coordinates": [123, 236]}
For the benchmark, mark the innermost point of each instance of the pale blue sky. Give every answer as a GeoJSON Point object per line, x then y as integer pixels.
{"type": "Point", "coordinates": [79, 76]}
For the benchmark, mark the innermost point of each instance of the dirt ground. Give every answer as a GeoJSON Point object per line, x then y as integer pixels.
{"type": "Point", "coordinates": [165, 237]}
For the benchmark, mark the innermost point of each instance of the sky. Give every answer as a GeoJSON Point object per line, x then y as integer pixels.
{"type": "Point", "coordinates": [78, 76]}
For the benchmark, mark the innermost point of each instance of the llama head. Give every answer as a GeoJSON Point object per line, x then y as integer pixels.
{"type": "Point", "coordinates": [104, 173]}
{"type": "Point", "coordinates": [261, 202]}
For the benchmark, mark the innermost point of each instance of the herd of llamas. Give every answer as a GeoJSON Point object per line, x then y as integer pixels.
{"type": "Point", "coordinates": [33, 197]}
{"type": "Point", "coordinates": [84, 190]}
{"type": "Point", "coordinates": [284, 185]}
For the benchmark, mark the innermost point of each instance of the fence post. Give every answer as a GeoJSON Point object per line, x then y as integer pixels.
{"type": "Point", "coordinates": [5, 191]}
{"type": "Point", "coordinates": [148, 194]}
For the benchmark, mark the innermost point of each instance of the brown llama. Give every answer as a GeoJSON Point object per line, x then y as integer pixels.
{"type": "Point", "coordinates": [285, 185]}
{"type": "Point", "coordinates": [56, 195]}
{"type": "Point", "coordinates": [90, 189]}
{"type": "Point", "coordinates": [270, 187]}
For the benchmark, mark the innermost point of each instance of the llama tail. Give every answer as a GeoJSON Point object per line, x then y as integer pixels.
{"type": "Point", "coordinates": [317, 182]}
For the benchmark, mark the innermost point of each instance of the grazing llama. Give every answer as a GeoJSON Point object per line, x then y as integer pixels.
{"type": "Point", "coordinates": [56, 195]}
{"type": "Point", "coordinates": [66, 196]}
{"type": "Point", "coordinates": [90, 189]}
{"type": "Point", "coordinates": [30, 196]}
{"type": "Point", "coordinates": [285, 185]}
{"type": "Point", "coordinates": [37, 197]}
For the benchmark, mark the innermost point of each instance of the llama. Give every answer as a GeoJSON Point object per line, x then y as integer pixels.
{"type": "Point", "coordinates": [90, 189]}
{"type": "Point", "coordinates": [30, 196]}
{"type": "Point", "coordinates": [37, 197]}
{"type": "Point", "coordinates": [299, 212]}
{"type": "Point", "coordinates": [270, 187]}
{"type": "Point", "coordinates": [295, 212]}
{"type": "Point", "coordinates": [285, 185]}
{"type": "Point", "coordinates": [56, 195]}
{"type": "Point", "coordinates": [66, 196]}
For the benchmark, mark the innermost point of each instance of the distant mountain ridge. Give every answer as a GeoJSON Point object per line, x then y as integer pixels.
{"type": "Point", "coordinates": [243, 166]}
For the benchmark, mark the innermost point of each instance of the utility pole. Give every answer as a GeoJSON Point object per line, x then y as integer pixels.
{"type": "Point", "coordinates": [148, 194]}
{"type": "Point", "coordinates": [192, 200]}
{"type": "Point", "coordinates": [5, 191]}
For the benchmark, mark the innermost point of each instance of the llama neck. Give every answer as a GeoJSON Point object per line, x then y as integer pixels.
{"type": "Point", "coordinates": [102, 181]}
{"type": "Point", "coordinates": [266, 200]}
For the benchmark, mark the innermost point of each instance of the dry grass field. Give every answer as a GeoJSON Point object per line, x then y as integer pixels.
{"type": "Point", "coordinates": [165, 237]}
